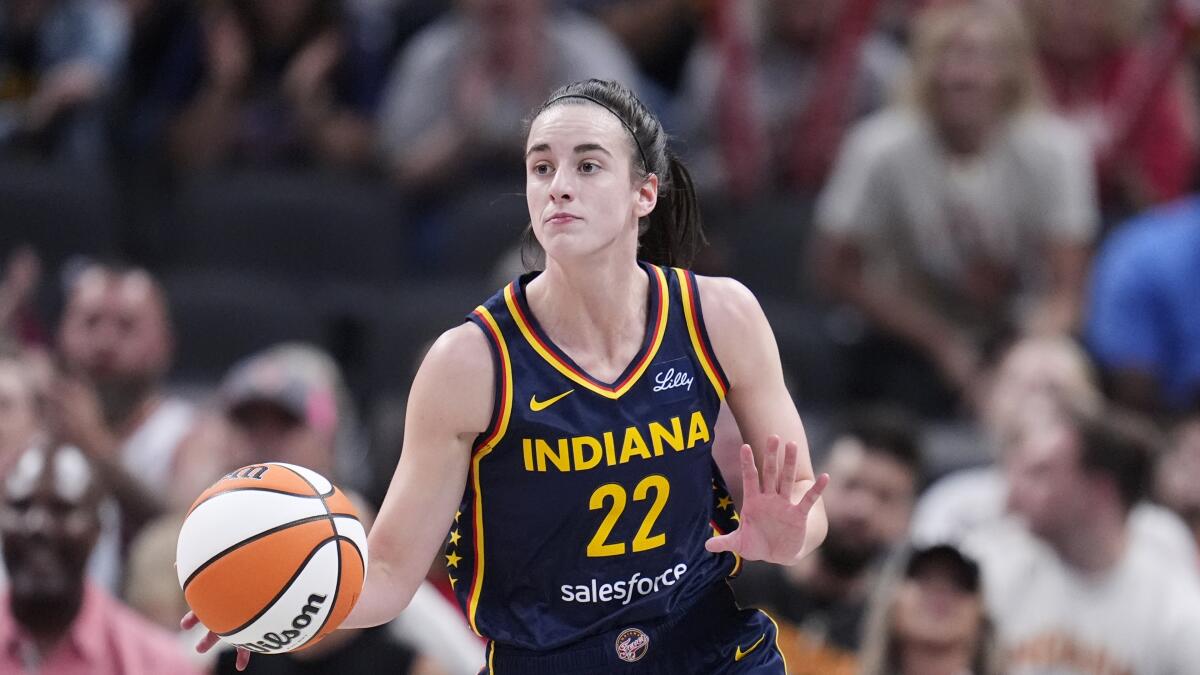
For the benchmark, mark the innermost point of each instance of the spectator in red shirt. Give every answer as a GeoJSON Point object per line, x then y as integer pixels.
{"type": "Point", "coordinates": [1100, 68]}
{"type": "Point", "coordinates": [53, 621]}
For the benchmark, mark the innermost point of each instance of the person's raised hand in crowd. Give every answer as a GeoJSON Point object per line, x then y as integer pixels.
{"type": "Point", "coordinates": [67, 86]}
{"type": "Point", "coordinates": [228, 51]}
{"type": "Point", "coordinates": [75, 415]}
{"type": "Point", "coordinates": [307, 78]}
{"type": "Point", "coordinates": [22, 272]}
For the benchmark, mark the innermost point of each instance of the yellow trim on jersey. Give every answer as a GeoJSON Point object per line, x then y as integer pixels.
{"type": "Point", "coordinates": [777, 648]}
{"type": "Point", "coordinates": [694, 332]}
{"type": "Point", "coordinates": [481, 451]}
{"type": "Point", "coordinates": [492, 656]}
{"type": "Point", "coordinates": [570, 373]}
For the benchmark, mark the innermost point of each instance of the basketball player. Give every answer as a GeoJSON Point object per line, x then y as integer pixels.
{"type": "Point", "coordinates": [563, 435]}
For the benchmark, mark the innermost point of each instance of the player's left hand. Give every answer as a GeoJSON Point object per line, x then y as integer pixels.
{"type": "Point", "coordinates": [774, 516]}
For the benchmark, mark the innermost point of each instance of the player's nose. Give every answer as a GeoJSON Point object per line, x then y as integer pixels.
{"type": "Point", "coordinates": [562, 186]}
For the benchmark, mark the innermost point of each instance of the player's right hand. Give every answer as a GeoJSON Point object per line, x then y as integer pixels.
{"type": "Point", "coordinates": [206, 643]}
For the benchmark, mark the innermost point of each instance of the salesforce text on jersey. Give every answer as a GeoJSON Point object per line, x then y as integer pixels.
{"type": "Point", "coordinates": [622, 591]}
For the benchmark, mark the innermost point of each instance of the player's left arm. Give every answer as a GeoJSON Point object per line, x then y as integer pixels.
{"type": "Point", "coordinates": [782, 517]}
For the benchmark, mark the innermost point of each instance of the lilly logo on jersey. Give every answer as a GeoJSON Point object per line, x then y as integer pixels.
{"type": "Point", "coordinates": [670, 379]}
{"type": "Point", "coordinates": [632, 645]}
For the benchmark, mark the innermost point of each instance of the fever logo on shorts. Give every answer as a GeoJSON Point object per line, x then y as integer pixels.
{"type": "Point", "coordinates": [632, 645]}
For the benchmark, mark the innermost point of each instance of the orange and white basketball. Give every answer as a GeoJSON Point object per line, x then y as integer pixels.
{"type": "Point", "coordinates": [272, 557]}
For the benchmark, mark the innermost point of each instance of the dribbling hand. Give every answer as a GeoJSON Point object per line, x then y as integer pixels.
{"type": "Point", "coordinates": [206, 643]}
{"type": "Point", "coordinates": [772, 526]}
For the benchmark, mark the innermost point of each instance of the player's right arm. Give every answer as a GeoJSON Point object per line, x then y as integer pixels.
{"type": "Point", "coordinates": [449, 405]}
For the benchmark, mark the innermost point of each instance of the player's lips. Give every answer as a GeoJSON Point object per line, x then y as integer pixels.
{"type": "Point", "coordinates": [561, 217]}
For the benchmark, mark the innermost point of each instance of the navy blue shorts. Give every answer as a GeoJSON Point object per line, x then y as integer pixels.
{"type": "Point", "coordinates": [713, 637]}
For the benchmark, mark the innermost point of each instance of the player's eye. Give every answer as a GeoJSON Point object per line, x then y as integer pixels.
{"type": "Point", "coordinates": [541, 169]}
{"type": "Point", "coordinates": [588, 166]}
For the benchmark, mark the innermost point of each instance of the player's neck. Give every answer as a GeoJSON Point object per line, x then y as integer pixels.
{"type": "Point", "coordinates": [593, 308]}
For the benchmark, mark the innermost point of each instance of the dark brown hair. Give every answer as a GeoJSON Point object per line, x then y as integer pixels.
{"type": "Point", "coordinates": [1120, 444]}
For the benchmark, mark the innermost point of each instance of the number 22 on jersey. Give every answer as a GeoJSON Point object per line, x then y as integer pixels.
{"type": "Point", "coordinates": [644, 540]}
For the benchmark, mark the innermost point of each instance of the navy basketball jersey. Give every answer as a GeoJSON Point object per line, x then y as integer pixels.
{"type": "Point", "coordinates": [588, 503]}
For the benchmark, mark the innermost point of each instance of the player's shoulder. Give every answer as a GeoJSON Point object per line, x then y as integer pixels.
{"type": "Point", "coordinates": [455, 383]}
{"type": "Point", "coordinates": [726, 299]}
{"type": "Point", "coordinates": [460, 350]}
{"type": "Point", "coordinates": [736, 326]}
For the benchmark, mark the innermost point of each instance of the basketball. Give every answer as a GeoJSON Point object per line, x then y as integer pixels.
{"type": "Point", "coordinates": [272, 557]}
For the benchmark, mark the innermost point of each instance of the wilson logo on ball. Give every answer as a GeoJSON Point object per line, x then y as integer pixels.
{"type": "Point", "coordinates": [271, 642]}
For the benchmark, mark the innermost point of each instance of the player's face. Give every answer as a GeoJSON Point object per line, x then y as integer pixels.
{"type": "Point", "coordinates": [49, 523]}
{"type": "Point", "coordinates": [579, 183]}
{"type": "Point", "coordinates": [868, 502]}
{"type": "Point", "coordinates": [931, 607]}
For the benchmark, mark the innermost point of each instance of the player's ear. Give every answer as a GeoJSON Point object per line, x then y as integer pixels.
{"type": "Point", "coordinates": [647, 196]}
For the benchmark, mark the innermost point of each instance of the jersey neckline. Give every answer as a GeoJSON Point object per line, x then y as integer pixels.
{"type": "Point", "coordinates": [656, 322]}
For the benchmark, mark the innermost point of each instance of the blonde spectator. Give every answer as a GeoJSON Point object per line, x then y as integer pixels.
{"type": "Point", "coordinates": [960, 216]}
{"type": "Point", "coordinates": [973, 500]}
{"type": "Point", "coordinates": [1069, 582]}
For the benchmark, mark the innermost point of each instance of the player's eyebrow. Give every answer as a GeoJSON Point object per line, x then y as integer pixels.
{"type": "Point", "coordinates": [591, 147]}
{"type": "Point", "coordinates": [579, 149]}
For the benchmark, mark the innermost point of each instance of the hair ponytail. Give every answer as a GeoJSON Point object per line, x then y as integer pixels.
{"type": "Point", "coordinates": [671, 234]}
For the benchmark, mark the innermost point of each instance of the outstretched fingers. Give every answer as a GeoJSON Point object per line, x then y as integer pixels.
{"type": "Point", "coordinates": [243, 658]}
{"type": "Point", "coordinates": [810, 497]}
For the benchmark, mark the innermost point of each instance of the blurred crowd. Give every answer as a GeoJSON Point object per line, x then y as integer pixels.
{"type": "Point", "coordinates": [229, 227]}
